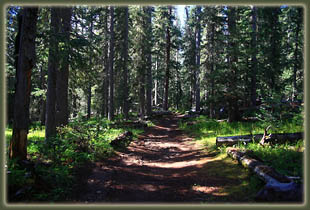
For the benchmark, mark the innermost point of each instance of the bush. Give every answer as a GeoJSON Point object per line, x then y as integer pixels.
{"type": "Point", "coordinates": [54, 161]}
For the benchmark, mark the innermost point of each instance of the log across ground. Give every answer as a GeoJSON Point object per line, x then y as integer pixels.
{"type": "Point", "coordinates": [165, 165]}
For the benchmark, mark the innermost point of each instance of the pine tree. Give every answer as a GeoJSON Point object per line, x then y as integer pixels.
{"type": "Point", "coordinates": [25, 61]}
{"type": "Point", "coordinates": [111, 66]}
{"type": "Point", "coordinates": [53, 65]}
{"type": "Point", "coordinates": [62, 112]}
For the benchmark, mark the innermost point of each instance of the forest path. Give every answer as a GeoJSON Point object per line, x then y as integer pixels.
{"type": "Point", "coordinates": [162, 165]}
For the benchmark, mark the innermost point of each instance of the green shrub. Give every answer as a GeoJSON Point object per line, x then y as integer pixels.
{"type": "Point", "coordinates": [286, 159]}
{"type": "Point", "coordinates": [75, 144]}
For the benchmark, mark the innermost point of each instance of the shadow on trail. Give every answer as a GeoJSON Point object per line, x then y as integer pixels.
{"type": "Point", "coordinates": [162, 165]}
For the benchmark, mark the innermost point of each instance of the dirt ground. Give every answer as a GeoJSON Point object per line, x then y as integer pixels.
{"type": "Point", "coordinates": [164, 165]}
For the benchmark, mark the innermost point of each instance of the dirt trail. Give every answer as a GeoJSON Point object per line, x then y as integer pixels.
{"type": "Point", "coordinates": [162, 165]}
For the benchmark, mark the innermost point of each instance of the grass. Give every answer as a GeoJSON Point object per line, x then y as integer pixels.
{"type": "Point", "coordinates": [287, 159]}
{"type": "Point", "coordinates": [240, 185]}
{"type": "Point", "coordinates": [55, 161]}
{"type": "Point", "coordinates": [206, 130]}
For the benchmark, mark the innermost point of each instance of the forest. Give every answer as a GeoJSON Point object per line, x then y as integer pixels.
{"type": "Point", "coordinates": [165, 103]}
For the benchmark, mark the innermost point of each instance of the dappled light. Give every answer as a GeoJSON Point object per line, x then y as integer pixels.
{"type": "Point", "coordinates": [163, 164]}
{"type": "Point", "coordinates": [192, 104]}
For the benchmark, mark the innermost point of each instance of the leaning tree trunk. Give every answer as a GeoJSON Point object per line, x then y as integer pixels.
{"type": "Point", "coordinates": [53, 63]}
{"type": "Point", "coordinates": [62, 112]}
{"type": "Point", "coordinates": [24, 64]}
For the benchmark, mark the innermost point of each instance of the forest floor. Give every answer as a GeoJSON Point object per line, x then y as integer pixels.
{"type": "Point", "coordinates": [164, 165]}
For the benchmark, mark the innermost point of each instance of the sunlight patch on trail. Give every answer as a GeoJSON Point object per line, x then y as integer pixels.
{"type": "Point", "coordinates": [210, 190]}
{"type": "Point", "coordinates": [180, 164]}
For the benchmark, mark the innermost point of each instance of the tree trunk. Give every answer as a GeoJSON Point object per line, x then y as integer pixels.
{"type": "Point", "coordinates": [74, 105]}
{"type": "Point", "coordinates": [90, 80]}
{"type": "Point", "coordinates": [179, 88]}
{"type": "Point", "coordinates": [275, 51]}
{"type": "Point", "coordinates": [295, 92]}
{"type": "Point", "coordinates": [149, 63]}
{"type": "Point", "coordinates": [233, 109]}
{"type": "Point", "coordinates": [212, 70]}
{"type": "Point", "coordinates": [53, 64]}
{"type": "Point", "coordinates": [125, 55]}
{"type": "Point", "coordinates": [254, 59]}
{"type": "Point", "coordinates": [89, 101]}
{"type": "Point", "coordinates": [168, 46]}
{"type": "Point", "coordinates": [25, 61]}
{"type": "Point", "coordinates": [156, 83]}
{"type": "Point", "coordinates": [105, 91]}
{"type": "Point", "coordinates": [62, 112]}
{"type": "Point", "coordinates": [142, 95]}
{"type": "Point", "coordinates": [111, 62]}
{"type": "Point", "coordinates": [43, 101]}
{"type": "Point", "coordinates": [197, 72]}
{"type": "Point", "coordinates": [276, 138]}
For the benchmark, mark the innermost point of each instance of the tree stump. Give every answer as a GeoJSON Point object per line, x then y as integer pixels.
{"type": "Point", "coordinates": [122, 139]}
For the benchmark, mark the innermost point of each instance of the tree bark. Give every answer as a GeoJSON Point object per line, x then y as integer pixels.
{"type": "Point", "coordinates": [111, 63]}
{"type": "Point", "coordinates": [156, 83]}
{"type": "Point", "coordinates": [62, 112]}
{"type": "Point", "coordinates": [142, 95]}
{"type": "Point", "coordinates": [168, 46]}
{"type": "Point", "coordinates": [149, 63]}
{"type": "Point", "coordinates": [212, 70]}
{"type": "Point", "coordinates": [197, 72]}
{"type": "Point", "coordinates": [233, 109]}
{"type": "Point", "coordinates": [276, 138]}
{"type": "Point", "coordinates": [89, 100]}
{"type": "Point", "coordinates": [90, 80]}
{"type": "Point", "coordinates": [74, 105]}
{"type": "Point", "coordinates": [43, 101]}
{"type": "Point", "coordinates": [105, 91]}
{"type": "Point", "coordinates": [53, 65]}
{"type": "Point", "coordinates": [254, 59]}
{"type": "Point", "coordinates": [125, 56]}
{"type": "Point", "coordinates": [275, 50]}
{"type": "Point", "coordinates": [25, 61]}
{"type": "Point", "coordinates": [295, 92]}
{"type": "Point", "coordinates": [179, 87]}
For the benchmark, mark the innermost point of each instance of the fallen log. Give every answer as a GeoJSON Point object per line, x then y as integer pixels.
{"type": "Point", "coordinates": [276, 192]}
{"type": "Point", "coordinates": [277, 138]}
{"type": "Point", "coordinates": [278, 186]}
{"type": "Point", "coordinates": [122, 139]}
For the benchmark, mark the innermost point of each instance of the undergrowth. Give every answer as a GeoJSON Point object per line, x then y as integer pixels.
{"type": "Point", "coordinates": [206, 130]}
{"type": "Point", "coordinates": [287, 159]}
{"type": "Point", "coordinates": [53, 163]}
